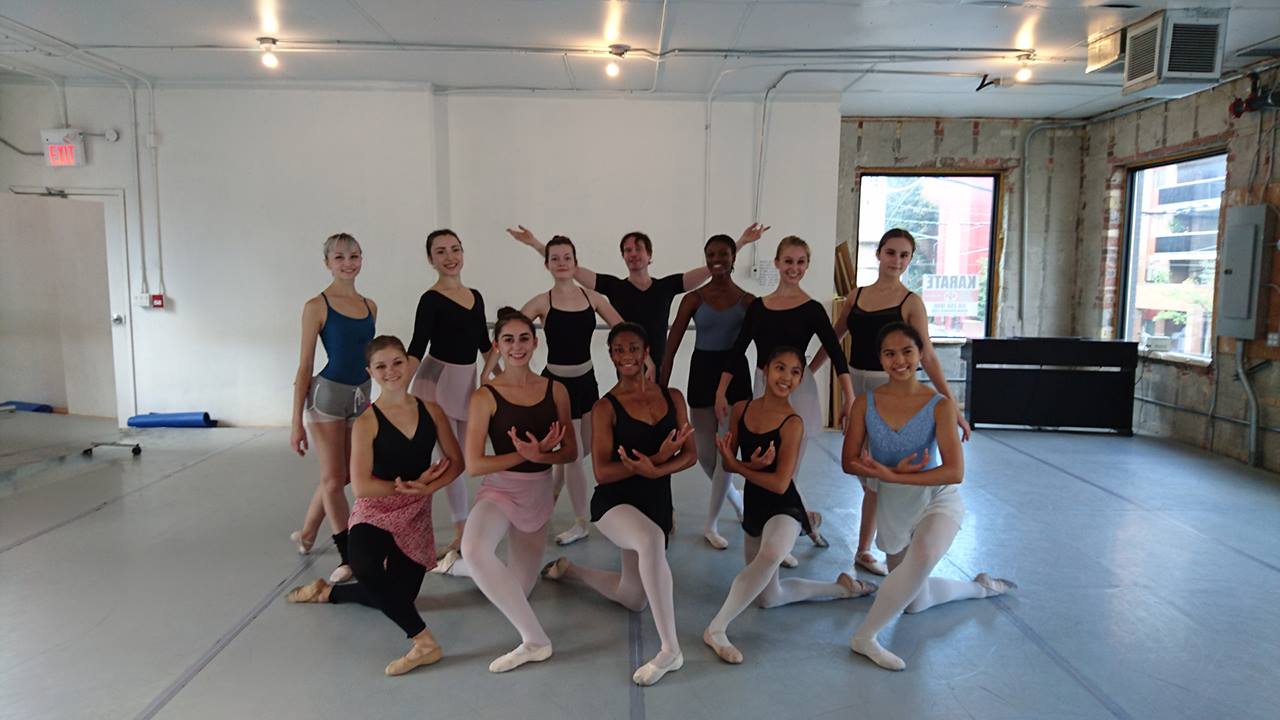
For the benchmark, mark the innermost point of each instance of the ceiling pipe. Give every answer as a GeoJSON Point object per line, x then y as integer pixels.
{"type": "Point", "coordinates": [58, 87]}
{"type": "Point", "coordinates": [657, 65]}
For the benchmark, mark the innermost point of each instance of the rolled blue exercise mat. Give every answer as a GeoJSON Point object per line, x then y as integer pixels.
{"type": "Point", "coordinates": [184, 419]}
{"type": "Point", "coordinates": [27, 407]}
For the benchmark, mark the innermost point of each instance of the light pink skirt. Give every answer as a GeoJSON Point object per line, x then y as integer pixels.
{"type": "Point", "coordinates": [525, 498]}
{"type": "Point", "coordinates": [445, 384]}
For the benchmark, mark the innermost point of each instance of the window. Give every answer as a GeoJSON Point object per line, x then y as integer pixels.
{"type": "Point", "coordinates": [1171, 254]}
{"type": "Point", "coordinates": [952, 218]}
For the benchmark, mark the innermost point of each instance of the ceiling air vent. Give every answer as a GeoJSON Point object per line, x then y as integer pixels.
{"type": "Point", "coordinates": [1174, 53]}
{"type": "Point", "coordinates": [1142, 51]}
{"type": "Point", "coordinates": [1193, 48]}
{"type": "Point", "coordinates": [1106, 53]}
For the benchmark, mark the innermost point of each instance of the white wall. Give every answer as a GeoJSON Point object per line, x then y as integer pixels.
{"type": "Point", "coordinates": [56, 345]}
{"type": "Point", "coordinates": [253, 180]}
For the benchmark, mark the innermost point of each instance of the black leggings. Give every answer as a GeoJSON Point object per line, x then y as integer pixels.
{"type": "Point", "coordinates": [391, 589]}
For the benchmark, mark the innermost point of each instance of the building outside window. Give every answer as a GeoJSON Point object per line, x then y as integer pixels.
{"type": "Point", "coordinates": [1172, 255]}
{"type": "Point", "coordinates": [952, 218]}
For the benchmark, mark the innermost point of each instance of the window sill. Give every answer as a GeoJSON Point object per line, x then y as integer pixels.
{"type": "Point", "coordinates": [948, 340]}
{"type": "Point", "coordinates": [1174, 358]}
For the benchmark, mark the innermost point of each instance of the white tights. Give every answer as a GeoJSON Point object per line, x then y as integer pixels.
{"type": "Point", "coordinates": [705, 427]}
{"type": "Point", "coordinates": [456, 490]}
{"type": "Point", "coordinates": [645, 574]}
{"type": "Point", "coordinates": [506, 585]}
{"type": "Point", "coordinates": [909, 587]}
{"type": "Point", "coordinates": [572, 473]}
{"type": "Point", "coordinates": [759, 580]}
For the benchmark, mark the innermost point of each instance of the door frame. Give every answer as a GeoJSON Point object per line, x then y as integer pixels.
{"type": "Point", "coordinates": [119, 284]}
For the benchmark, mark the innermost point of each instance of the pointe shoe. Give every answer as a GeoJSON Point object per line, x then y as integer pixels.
{"type": "Point", "coordinates": [876, 653]}
{"type": "Point", "coordinates": [413, 659]}
{"type": "Point", "coordinates": [815, 522]}
{"type": "Point", "coordinates": [304, 545]}
{"type": "Point", "coordinates": [520, 656]}
{"type": "Point", "coordinates": [341, 574]}
{"type": "Point", "coordinates": [556, 569]}
{"type": "Point", "coordinates": [577, 531]}
{"type": "Point", "coordinates": [309, 593]}
{"type": "Point", "coordinates": [997, 586]}
{"type": "Point", "coordinates": [854, 586]}
{"type": "Point", "coordinates": [445, 564]}
{"type": "Point", "coordinates": [715, 539]}
{"type": "Point", "coordinates": [868, 561]}
{"type": "Point", "coordinates": [725, 651]}
{"type": "Point", "coordinates": [650, 672]}
{"type": "Point", "coordinates": [790, 561]}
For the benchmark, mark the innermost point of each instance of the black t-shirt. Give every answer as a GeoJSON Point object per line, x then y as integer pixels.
{"type": "Point", "coordinates": [794, 328]}
{"type": "Point", "coordinates": [649, 308]}
{"type": "Point", "coordinates": [454, 333]}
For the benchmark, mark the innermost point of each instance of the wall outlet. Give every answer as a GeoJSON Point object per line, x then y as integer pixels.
{"type": "Point", "coordinates": [1273, 339]}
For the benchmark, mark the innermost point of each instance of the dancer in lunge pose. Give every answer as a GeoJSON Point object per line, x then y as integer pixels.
{"type": "Point", "coordinates": [342, 319]}
{"type": "Point", "coordinates": [391, 546]}
{"type": "Point", "coordinates": [641, 436]}
{"type": "Point", "coordinates": [904, 427]}
{"type": "Point", "coordinates": [451, 319]}
{"type": "Point", "coordinates": [768, 434]}
{"type": "Point", "coordinates": [526, 419]}
{"type": "Point", "coordinates": [568, 313]}
{"type": "Point", "coordinates": [718, 309]}
{"type": "Point", "coordinates": [893, 303]}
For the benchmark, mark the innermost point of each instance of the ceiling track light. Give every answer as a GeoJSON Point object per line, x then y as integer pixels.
{"type": "Point", "coordinates": [1024, 69]}
{"type": "Point", "coordinates": [268, 46]}
{"type": "Point", "coordinates": [618, 50]}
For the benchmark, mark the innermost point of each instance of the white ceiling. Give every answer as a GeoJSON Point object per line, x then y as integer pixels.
{"type": "Point", "coordinates": [156, 38]}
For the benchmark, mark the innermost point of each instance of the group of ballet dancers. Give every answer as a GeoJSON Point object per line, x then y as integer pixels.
{"type": "Point", "coordinates": [460, 400]}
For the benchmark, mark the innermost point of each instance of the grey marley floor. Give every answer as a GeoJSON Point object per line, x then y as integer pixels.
{"type": "Point", "coordinates": [150, 587]}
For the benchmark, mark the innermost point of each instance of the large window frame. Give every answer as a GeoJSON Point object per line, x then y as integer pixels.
{"type": "Point", "coordinates": [994, 240]}
{"type": "Point", "coordinates": [1127, 278]}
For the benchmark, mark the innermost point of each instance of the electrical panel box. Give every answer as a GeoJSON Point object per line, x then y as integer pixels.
{"type": "Point", "coordinates": [1245, 269]}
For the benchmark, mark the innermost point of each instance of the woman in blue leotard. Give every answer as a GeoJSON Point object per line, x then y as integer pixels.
{"type": "Point", "coordinates": [342, 320]}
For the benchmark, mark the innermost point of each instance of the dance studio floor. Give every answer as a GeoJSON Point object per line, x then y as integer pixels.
{"type": "Point", "coordinates": [150, 587]}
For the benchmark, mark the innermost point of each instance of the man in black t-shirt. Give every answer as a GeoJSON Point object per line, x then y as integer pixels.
{"type": "Point", "coordinates": [639, 298]}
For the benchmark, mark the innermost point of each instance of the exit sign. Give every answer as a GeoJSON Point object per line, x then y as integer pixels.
{"type": "Point", "coordinates": [63, 147]}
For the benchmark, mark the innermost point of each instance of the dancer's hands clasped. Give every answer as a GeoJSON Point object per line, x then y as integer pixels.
{"type": "Point", "coordinates": [533, 449]}
{"type": "Point", "coordinates": [673, 442]}
{"type": "Point", "coordinates": [637, 463]}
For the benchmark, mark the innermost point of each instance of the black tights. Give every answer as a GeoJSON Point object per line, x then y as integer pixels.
{"type": "Point", "coordinates": [391, 589]}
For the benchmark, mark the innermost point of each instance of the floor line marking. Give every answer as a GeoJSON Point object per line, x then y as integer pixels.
{"type": "Point", "coordinates": [118, 498]}
{"type": "Point", "coordinates": [169, 693]}
{"type": "Point", "coordinates": [636, 644]}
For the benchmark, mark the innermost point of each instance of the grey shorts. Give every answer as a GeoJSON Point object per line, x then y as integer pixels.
{"type": "Point", "coordinates": [330, 401]}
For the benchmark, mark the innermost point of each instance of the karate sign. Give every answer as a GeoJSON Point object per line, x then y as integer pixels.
{"type": "Point", "coordinates": [951, 295]}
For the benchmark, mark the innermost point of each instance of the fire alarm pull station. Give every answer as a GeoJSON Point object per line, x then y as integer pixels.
{"type": "Point", "coordinates": [63, 147]}
{"type": "Point", "coordinates": [157, 300]}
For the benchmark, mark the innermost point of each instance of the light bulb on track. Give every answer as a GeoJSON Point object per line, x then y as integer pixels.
{"type": "Point", "coordinates": [1024, 69]}
{"type": "Point", "coordinates": [268, 46]}
{"type": "Point", "coordinates": [612, 70]}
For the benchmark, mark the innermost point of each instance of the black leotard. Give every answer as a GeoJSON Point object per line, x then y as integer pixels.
{"type": "Point", "coordinates": [398, 456]}
{"type": "Point", "coordinates": [864, 327]}
{"type": "Point", "coordinates": [794, 327]}
{"type": "Point", "coordinates": [536, 419]}
{"type": "Point", "coordinates": [569, 333]}
{"type": "Point", "coordinates": [758, 503]}
{"type": "Point", "coordinates": [455, 333]}
{"type": "Point", "coordinates": [651, 496]}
